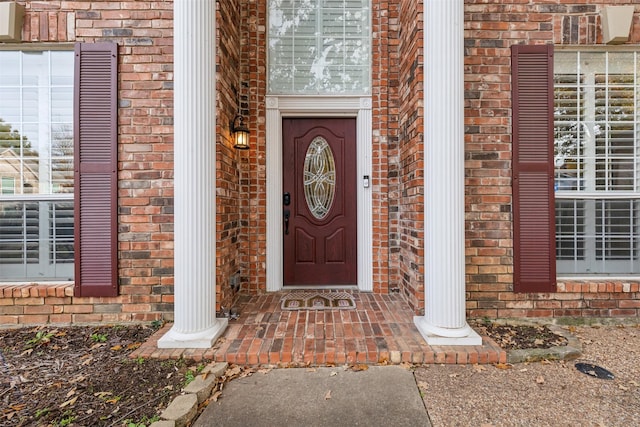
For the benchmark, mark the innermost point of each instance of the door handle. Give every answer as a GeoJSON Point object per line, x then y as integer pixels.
{"type": "Point", "coordinates": [286, 221]}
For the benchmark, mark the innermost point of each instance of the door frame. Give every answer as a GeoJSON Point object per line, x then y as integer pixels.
{"type": "Point", "coordinates": [279, 107]}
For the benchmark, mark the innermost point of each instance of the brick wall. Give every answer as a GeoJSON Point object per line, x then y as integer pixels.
{"type": "Point", "coordinates": [144, 33]}
{"type": "Point", "coordinates": [254, 166]}
{"type": "Point", "coordinates": [384, 19]}
{"type": "Point", "coordinates": [408, 199]}
{"type": "Point", "coordinates": [230, 197]}
{"type": "Point", "coordinates": [143, 30]}
{"type": "Point", "coordinates": [491, 27]}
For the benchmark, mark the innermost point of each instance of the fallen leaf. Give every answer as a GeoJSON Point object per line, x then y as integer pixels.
{"type": "Point", "coordinates": [133, 346]}
{"type": "Point", "coordinates": [88, 361]}
{"type": "Point", "coordinates": [27, 352]}
{"type": "Point", "coordinates": [333, 373]}
{"type": "Point", "coordinates": [540, 379]}
{"type": "Point", "coordinates": [454, 375]}
{"type": "Point", "coordinates": [503, 366]}
{"type": "Point", "coordinates": [69, 402]}
{"type": "Point", "coordinates": [264, 370]}
{"type": "Point", "coordinates": [216, 395]}
{"type": "Point", "coordinates": [311, 370]}
{"type": "Point", "coordinates": [360, 367]}
{"type": "Point", "coordinates": [523, 370]}
{"type": "Point", "coordinates": [233, 371]}
{"type": "Point", "coordinates": [423, 385]}
{"type": "Point", "coordinates": [71, 392]}
{"type": "Point", "coordinates": [621, 387]}
{"type": "Point", "coordinates": [327, 395]}
{"type": "Point", "coordinates": [116, 348]}
{"type": "Point", "coordinates": [479, 368]}
{"type": "Point", "coordinates": [102, 394]}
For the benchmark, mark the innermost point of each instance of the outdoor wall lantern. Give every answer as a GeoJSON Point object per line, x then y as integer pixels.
{"type": "Point", "coordinates": [240, 133]}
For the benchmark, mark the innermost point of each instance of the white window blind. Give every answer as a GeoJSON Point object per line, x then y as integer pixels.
{"type": "Point", "coordinates": [36, 156]}
{"type": "Point", "coordinates": [319, 47]}
{"type": "Point", "coordinates": [597, 162]}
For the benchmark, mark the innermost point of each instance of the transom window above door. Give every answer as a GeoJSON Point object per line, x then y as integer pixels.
{"type": "Point", "coordinates": [319, 47]}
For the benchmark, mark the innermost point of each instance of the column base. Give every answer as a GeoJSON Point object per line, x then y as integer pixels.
{"type": "Point", "coordinates": [203, 339]}
{"type": "Point", "coordinates": [435, 335]}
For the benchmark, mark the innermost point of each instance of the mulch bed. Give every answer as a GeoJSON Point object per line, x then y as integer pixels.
{"type": "Point", "coordinates": [519, 337]}
{"type": "Point", "coordinates": [83, 376]}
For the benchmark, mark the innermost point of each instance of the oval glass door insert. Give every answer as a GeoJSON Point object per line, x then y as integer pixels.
{"type": "Point", "coordinates": [319, 177]}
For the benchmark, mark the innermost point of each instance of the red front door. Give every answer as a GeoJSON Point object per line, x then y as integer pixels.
{"type": "Point", "coordinates": [319, 201]}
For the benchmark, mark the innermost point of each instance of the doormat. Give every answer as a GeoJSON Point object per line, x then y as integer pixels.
{"type": "Point", "coordinates": [317, 301]}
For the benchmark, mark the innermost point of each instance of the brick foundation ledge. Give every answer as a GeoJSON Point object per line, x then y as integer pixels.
{"type": "Point", "coordinates": [23, 304]}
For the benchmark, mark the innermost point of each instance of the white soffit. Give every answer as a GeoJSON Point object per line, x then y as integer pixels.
{"type": "Point", "coordinates": [616, 23]}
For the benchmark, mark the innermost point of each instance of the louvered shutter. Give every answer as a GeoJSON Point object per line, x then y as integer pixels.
{"type": "Point", "coordinates": [95, 163]}
{"type": "Point", "coordinates": [533, 198]}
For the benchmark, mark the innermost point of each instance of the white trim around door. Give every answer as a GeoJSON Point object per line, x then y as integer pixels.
{"type": "Point", "coordinates": [318, 106]}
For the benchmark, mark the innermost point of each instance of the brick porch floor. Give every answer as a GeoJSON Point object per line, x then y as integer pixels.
{"type": "Point", "coordinates": [379, 330]}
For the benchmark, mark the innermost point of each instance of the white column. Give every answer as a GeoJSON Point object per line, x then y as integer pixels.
{"type": "Point", "coordinates": [195, 324]}
{"type": "Point", "coordinates": [444, 322]}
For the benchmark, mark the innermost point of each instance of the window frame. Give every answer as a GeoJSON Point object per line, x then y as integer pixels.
{"type": "Point", "coordinates": [289, 86]}
{"type": "Point", "coordinates": [591, 240]}
{"type": "Point", "coordinates": [47, 266]}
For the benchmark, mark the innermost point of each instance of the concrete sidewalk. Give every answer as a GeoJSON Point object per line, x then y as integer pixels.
{"type": "Point", "coordinates": [378, 396]}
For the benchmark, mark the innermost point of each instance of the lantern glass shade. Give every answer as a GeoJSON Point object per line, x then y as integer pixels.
{"type": "Point", "coordinates": [240, 133]}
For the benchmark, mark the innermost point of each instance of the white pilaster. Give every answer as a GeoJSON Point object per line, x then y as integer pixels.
{"type": "Point", "coordinates": [195, 324]}
{"type": "Point", "coordinates": [275, 266]}
{"type": "Point", "coordinates": [444, 322]}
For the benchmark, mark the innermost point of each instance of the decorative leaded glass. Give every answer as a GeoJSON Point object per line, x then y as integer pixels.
{"type": "Point", "coordinates": [319, 177]}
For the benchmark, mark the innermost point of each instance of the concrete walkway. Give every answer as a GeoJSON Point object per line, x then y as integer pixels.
{"type": "Point", "coordinates": [377, 396]}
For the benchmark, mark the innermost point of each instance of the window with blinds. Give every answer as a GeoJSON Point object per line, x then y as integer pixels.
{"type": "Point", "coordinates": [36, 165]}
{"type": "Point", "coordinates": [319, 47]}
{"type": "Point", "coordinates": [597, 162]}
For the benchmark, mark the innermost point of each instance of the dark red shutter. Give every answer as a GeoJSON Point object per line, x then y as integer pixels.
{"type": "Point", "coordinates": [95, 157]}
{"type": "Point", "coordinates": [533, 199]}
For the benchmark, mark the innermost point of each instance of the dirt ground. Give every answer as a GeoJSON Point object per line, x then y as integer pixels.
{"type": "Point", "coordinates": [82, 376]}
{"type": "Point", "coordinates": [542, 393]}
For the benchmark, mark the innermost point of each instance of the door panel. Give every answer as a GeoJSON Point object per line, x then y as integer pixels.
{"type": "Point", "coordinates": [319, 201]}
